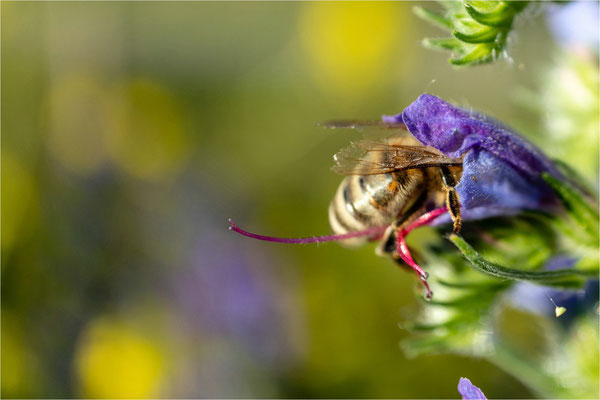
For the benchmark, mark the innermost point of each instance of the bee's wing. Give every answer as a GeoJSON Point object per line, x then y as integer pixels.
{"type": "Point", "coordinates": [370, 158]}
{"type": "Point", "coordinates": [358, 124]}
{"type": "Point", "coordinates": [372, 130]}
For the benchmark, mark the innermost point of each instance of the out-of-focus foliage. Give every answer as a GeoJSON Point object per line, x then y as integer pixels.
{"type": "Point", "coordinates": [568, 102]}
{"type": "Point", "coordinates": [479, 28]}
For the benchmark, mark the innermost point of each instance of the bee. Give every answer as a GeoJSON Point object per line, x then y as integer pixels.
{"type": "Point", "coordinates": [393, 183]}
{"type": "Point", "coordinates": [391, 187]}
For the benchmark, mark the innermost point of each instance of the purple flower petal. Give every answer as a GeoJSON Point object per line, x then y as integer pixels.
{"type": "Point", "coordinates": [501, 170]}
{"type": "Point", "coordinates": [468, 391]}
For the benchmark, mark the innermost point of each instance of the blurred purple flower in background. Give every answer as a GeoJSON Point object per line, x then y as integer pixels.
{"type": "Point", "coordinates": [468, 391]}
{"type": "Point", "coordinates": [228, 291]}
{"type": "Point", "coordinates": [243, 316]}
{"type": "Point", "coordinates": [575, 24]}
{"type": "Point", "coordinates": [537, 299]}
{"type": "Point", "coordinates": [501, 170]}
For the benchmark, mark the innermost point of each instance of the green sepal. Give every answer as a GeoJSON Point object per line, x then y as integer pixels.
{"type": "Point", "coordinates": [483, 36]}
{"type": "Point", "coordinates": [559, 277]}
{"type": "Point", "coordinates": [481, 53]}
{"type": "Point", "coordinates": [578, 208]}
{"type": "Point", "coordinates": [501, 16]}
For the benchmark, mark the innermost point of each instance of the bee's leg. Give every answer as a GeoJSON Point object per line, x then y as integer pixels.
{"type": "Point", "coordinates": [404, 254]}
{"type": "Point", "coordinates": [387, 244]}
{"type": "Point", "coordinates": [387, 247]}
{"type": "Point", "coordinates": [402, 249]}
{"type": "Point", "coordinates": [394, 245]}
{"type": "Point", "coordinates": [452, 198]}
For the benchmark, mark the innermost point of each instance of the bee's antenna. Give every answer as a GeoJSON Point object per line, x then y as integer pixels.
{"type": "Point", "coordinates": [315, 239]}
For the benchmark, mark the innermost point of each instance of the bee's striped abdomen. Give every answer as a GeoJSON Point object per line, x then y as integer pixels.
{"type": "Point", "coordinates": [368, 201]}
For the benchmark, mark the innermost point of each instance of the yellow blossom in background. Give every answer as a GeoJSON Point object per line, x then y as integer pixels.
{"type": "Point", "coordinates": [114, 360]}
{"type": "Point", "coordinates": [18, 199]}
{"type": "Point", "coordinates": [350, 44]}
{"type": "Point", "coordinates": [148, 139]}
{"type": "Point", "coordinates": [19, 364]}
{"type": "Point", "coordinates": [77, 122]}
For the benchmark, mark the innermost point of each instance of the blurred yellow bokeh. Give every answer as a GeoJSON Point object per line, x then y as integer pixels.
{"type": "Point", "coordinates": [16, 362]}
{"type": "Point", "coordinates": [148, 139]}
{"type": "Point", "coordinates": [350, 44]}
{"type": "Point", "coordinates": [115, 360]}
{"type": "Point", "coordinates": [18, 198]}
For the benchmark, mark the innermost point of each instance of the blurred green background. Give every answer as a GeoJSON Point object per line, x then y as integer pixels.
{"type": "Point", "coordinates": [131, 132]}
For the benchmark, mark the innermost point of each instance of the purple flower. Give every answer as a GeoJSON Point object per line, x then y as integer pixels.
{"type": "Point", "coordinates": [468, 391]}
{"type": "Point", "coordinates": [501, 170]}
{"type": "Point", "coordinates": [227, 292]}
{"type": "Point", "coordinates": [575, 24]}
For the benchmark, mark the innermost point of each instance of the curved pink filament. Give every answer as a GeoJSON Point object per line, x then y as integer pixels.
{"type": "Point", "coordinates": [315, 239]}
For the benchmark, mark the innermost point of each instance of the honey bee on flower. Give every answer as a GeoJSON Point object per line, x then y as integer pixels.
{"type": "Point", "coordinates": [443, 164]}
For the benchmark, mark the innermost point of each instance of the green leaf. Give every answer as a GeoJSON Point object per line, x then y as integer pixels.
{"type": "Point", "coordinates": [558, 277]}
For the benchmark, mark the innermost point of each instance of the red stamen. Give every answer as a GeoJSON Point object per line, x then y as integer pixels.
{"type": "Point", "coordinates": [316, 239]}
{"type": "Point", "coordinates": [402, 248]}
